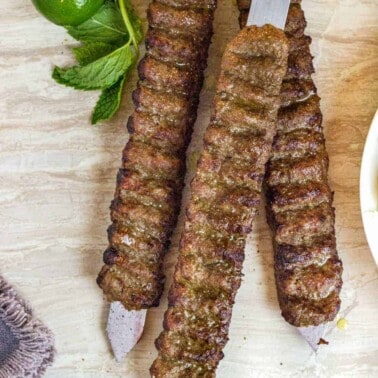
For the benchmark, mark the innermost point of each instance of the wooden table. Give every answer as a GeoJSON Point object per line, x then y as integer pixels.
{"type": "Point", "coordinates": [57, 175]}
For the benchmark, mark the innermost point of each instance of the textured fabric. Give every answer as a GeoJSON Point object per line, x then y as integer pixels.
{"type": "Point", "coordinates": [26, 345]}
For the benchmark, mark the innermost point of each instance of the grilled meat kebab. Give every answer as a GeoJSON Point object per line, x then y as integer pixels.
{"type": "Point", "coordinates": [299, 200]}
{"type": "Point", "coordinates": [149, 184]}
{"type": "Point", "coordinates": [224, 198]}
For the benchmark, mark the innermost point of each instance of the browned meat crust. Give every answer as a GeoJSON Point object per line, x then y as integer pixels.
{"type": "Point", "coordinates": [149, 184]}
{"type": "Point", "coordinates": [299, 200]}
{"type": "Point", "coordinates": [225, 194]}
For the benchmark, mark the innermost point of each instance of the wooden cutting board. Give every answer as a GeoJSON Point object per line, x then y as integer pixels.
{"type": "Point", "coordinates": [57, 177]}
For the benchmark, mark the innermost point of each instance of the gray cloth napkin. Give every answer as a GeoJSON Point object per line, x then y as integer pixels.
{"type": "Point", "coordinates": [26, 345]}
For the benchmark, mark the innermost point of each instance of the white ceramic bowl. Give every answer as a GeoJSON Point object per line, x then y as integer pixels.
{"type": "Point", "coordinates": [369, 188]}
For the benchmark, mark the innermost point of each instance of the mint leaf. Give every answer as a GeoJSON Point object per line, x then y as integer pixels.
{"type": "Point", "coordinates": [91, 51]}
{"type": "Point", "coordinates": [106, 26]}
{"type": "Point", "coordinates": [109, 102]}
{"type": "Point", "coordinates": [100, 74]}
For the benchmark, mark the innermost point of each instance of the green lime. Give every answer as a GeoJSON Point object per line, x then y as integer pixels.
{"type": "Point", "coordinates": [68, 12]}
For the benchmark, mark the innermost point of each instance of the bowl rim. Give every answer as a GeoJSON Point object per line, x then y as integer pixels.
{"type": "Point", "coordinates": [369, 187]}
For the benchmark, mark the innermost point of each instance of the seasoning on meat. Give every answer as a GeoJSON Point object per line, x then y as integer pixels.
{"type": "Point", "coordinates": [149, 184]}
{"type": "Point", "coordinates": [225, 195]}
{"type": "Point", "coordinates": [299, 200]}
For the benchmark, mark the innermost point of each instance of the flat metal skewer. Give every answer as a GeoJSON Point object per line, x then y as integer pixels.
{"type": "Point", "coordinates": [313, 334]}
{"type": "Point", "coordinates": [124, 329]}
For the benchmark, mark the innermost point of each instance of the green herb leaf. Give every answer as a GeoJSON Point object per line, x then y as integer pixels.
{"type": "Point", "coordinates": [110, 49]}
{"type": "Point", "coordinates": [92, 51]}
{"type": "Point", "coordinates": [106, 25]}
{"type": "Point", "coordinates": [109, 102]}
{"type": "Point", "coordinates": [100, 74]}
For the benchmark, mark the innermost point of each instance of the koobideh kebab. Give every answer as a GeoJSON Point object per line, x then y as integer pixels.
{"type": "Point", "coordinates": [298, 197]}
{"type": "Point", "coordinates": [225, 194]}
{"type": "Point", "coordinates": [149, 184]}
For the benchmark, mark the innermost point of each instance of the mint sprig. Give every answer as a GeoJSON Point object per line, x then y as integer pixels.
{"type": "Point", "coordinates": [110, 48]}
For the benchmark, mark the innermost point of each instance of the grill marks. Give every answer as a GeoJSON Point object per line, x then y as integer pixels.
{"type": "Point", "coordinates": [182, 18]}
{"type": "Point", "coordinates": [299, 200]}
{"type": "Point", "coordinates": [148, 192]}
{"type": "Point", "coordinates": [225, 193]}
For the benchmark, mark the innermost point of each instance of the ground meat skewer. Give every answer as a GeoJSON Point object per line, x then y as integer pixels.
{"type": "Point", "coordinates": [299, 200]}
{"type": "Point", "coordinates": [225, 195]}
{"type": "Point", "coordinates": [149, 184]}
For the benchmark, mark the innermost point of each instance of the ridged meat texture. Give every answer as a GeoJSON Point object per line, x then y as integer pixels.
{"type": "Point", "coordinates": [149, 184]}
{"type": "Point", "coordinates": [299, 200]}
{"type": "Point", "coordinates": [225, 195]}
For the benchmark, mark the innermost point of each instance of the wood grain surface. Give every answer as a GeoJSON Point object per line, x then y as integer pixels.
{"type": "Point", "coordinates": [57, 177]}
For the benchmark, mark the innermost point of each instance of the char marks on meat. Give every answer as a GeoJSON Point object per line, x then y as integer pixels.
{"type": "Point", "coordinates": [299, 200]}
{"type": "Point", "coordinates": [225, 193]}
{"type": "Point", "coordinates": [149, 184]}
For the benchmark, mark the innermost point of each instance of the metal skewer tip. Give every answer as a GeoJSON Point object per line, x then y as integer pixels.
{"type": "Point", "coordinates": [313, 335]}
{"type": "Point", "coordinates": [124, 329]}
{"type": "Point", "coordinates": [268, 12]}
